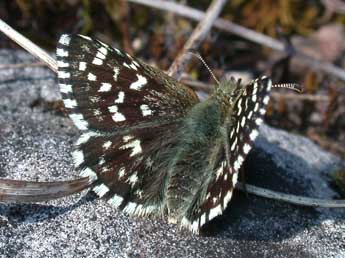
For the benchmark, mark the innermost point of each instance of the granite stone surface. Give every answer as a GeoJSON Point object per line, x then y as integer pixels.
{"type": "Point", "coordinates": [36, 142]}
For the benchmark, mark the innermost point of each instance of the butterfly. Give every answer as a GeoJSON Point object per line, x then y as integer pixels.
{"type": "Point", "coordinates": [148, 144]}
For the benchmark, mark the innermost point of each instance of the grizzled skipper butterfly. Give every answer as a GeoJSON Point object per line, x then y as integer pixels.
{"type": "Point", "coordinates": [148, 145]}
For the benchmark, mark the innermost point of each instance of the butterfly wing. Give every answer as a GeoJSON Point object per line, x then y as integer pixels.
{"type": "Point", "coordinates": [106, 89]}
{"type": "Point", "coordinates": [248, 111]}
{"type": "Point", "coordinates": [128, 112]}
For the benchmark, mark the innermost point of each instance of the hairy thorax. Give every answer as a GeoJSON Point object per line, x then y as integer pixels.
{"type": "Point", "coordinates": [198, 146]}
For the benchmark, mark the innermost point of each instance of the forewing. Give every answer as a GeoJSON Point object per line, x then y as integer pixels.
{"type": "Point", "coordinates": [106, 89]}
{"type": "Point", "coordinates": [128, 112]}
{"type": "Point", "coordinates": [248, 111]}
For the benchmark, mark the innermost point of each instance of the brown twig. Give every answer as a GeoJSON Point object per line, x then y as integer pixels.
{"type": "Point", "coordinates": [22, 65]}
{"type": "Point", "coordinates": [198, 35]}
{"type": "Point", "coordinates": [28, 45]}
{"type": "Point", "coordinates": [290, 198]}
{"type": "Point", "coordinates": [302, 96]}
{"type": "Point", "coordinates": [248, 34]}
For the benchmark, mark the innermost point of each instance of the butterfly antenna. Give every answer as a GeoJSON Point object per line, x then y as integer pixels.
{"type": "Point", "coordinates": [203, 61]}
{"type": "Point", "coordinates": [16, 191]}
{"type": "Point", "coordinates": [292, 86]}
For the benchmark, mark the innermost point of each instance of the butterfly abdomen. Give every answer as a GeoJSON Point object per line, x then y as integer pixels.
{"type": "Point", "coordinates": [190, 166]}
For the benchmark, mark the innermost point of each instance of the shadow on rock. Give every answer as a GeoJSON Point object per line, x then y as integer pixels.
{"type": "Point", "coordinates": [253, 218]}
{"type": "Point", "coordinates": [34, 213]}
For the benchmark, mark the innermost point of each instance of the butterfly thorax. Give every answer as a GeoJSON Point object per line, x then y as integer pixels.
{"type": "Point", "coordinates": [198, 148]}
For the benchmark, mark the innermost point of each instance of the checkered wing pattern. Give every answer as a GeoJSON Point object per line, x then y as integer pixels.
{"type": "Point", "coordinates": [249, 107]}
{"type": "Point", "coordinates": [127, 112]}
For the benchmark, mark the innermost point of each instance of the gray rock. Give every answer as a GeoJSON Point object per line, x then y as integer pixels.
{"type": "Point", "coordinates": [36, 143]}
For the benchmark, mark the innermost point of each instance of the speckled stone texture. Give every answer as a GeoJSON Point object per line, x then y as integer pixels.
{"type": "Point", "coordinates": [36, 142]}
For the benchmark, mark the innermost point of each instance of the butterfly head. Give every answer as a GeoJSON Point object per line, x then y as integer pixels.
{"type": "Point", "coordinates": [227, 91]}
{"type": "Point", "coordinates": [230, 91]}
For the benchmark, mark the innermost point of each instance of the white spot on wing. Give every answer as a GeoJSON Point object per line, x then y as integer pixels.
{"type": "Point", "coordinates": [237, 165]}
{"type": "Point", "coordinates": [253, 135]}
{"type": "Point", "coordinates": [250, 114]}
{"type": "Point", "coordinates": [269, 85]}
{"type": "Point", "coordinates": [122, 172]}
{"type": "Point", "coordinates": [234, 179]}
{"type": "Point", "coordinates": [133, 179]}
{"type": "Point", "coordinates": [135, 145]}
{"type": "Point", "coordinates": [62, 64]}
{"type": "Point", "coordinates": [215, 212]}
{"type": "Point", "coordinates": [126, 65]}
{"type": "Point", "coordinates": [85, 37]}
{"type": "Point", "coordinates": [85, 137]}
{"type": "Point", "coordinates": [63, 75]}
{"type": "Point", "coordinates": [145, 109]}
{"type": "Point", "coordinates": [116, 73]}
{"type": "Point", "coordinates": [105, 87]}
{"type": "Point", "coordinates": [258, 121]}
{"type": "Point", "coordinates": [79, 121]}
{"type": "Point", "coordinates": [130, 208]}
{"type": "Point", "coordinates": [97, 61]}
{"type": "Point", "coordinates": [137, 85]}
{"type": "Point", "coordinates": [65, 39]}
{"type": "Point", "coordinates": [227, 198]}
{"type": "Point", "coordinates": [246, 148]}
{"type": "Point", "coordinates": [117, 117]}
{"type": "Point", "coordinates": [120, 97]}
{"type": "Point", "coordinates": [103, 50]}
{"type": "Point", "coordinates": [118, 51]}
{"type": "Point", "coordinates": [65, 88]}
{"type": "Point", "coordinates": [116, 200]}
{"type": "Point", "coordinates": [266, 99]}
{"type": "Point", "coordinates": [82, 66]}
{"type": "Point", "coordinates": [61, 52]}
{"type": "Point", "coordinates": [88, 172]}
{"type": "Point", "coordinates": [256, 108]}
{"type": "Point", "coordinates": [202, 219]}
{"type": "Point", "coordinates": [70, 103]}
{"type": "Point", "coordinates": [132, 65]}
{"type": "Point", "coordinates": [243, 121]}
{"type": "Point", "coordinates": [97, 112]}
{"type": "Point", "coordinates": [107, 145]}
{"type": "Point", "coordinates": [126, 138]}
{"type": "Point", "coordinates": [101, 161]}
{"type": "Point", "coordinates": [91, 77]}
{"type": "Point", "coordinates": [255, 89]}
{"type": "Point", "coordinates": [78, 157]}
{"type": "Point", "coordinates": [219, 172]}
{"type": "Point", "coordinates": [100, 55]}
{"type": "Point", "coordinates": [239, 111]}
{"type": "Point", "coordinates": [233, 146]}
{"type": "Point", "coordinates": [101, 190]}
{"type": "Point", "coordinates": [94, 99]}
